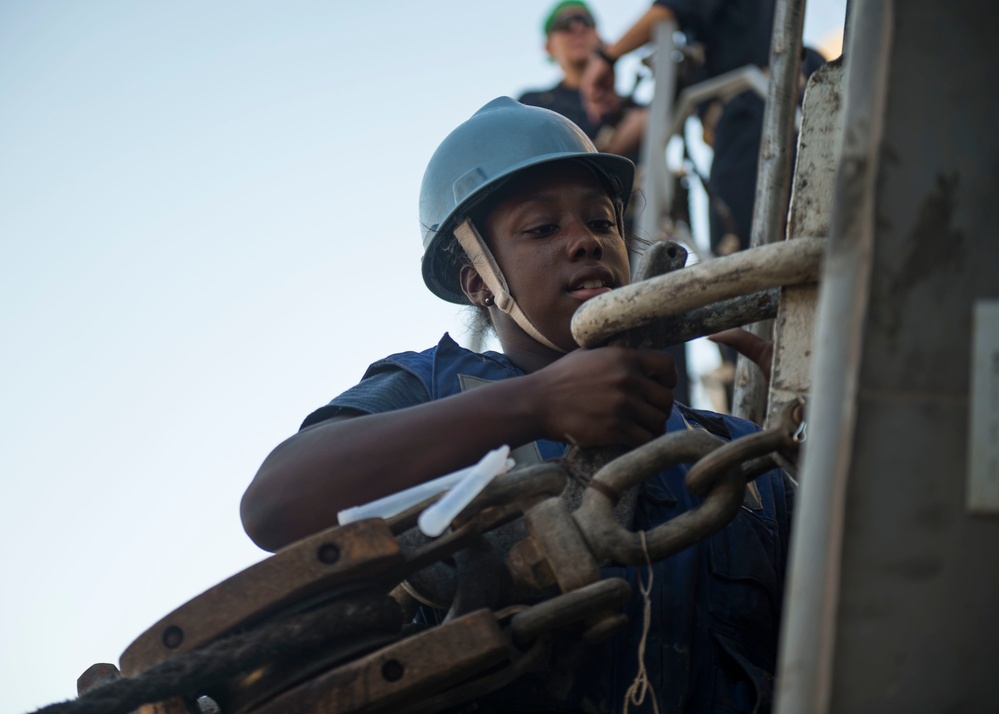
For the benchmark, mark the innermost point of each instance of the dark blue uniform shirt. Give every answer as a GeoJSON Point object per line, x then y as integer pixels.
{"type": "Point", "coordinates": [715, 606]}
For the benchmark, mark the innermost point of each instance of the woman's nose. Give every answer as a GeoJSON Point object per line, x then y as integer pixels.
{"type": "Point", "coordinates": [584, 243]}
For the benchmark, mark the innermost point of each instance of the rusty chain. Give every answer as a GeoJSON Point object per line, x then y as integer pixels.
{"type": "Point", "coordinates": [719, 475]}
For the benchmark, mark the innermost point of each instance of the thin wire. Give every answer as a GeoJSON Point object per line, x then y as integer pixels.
{"type": "Point", "coordinates": [640, 687]}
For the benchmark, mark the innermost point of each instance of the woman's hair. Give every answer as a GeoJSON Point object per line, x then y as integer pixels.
{"type": "Point", "coordinates": [477, 322]}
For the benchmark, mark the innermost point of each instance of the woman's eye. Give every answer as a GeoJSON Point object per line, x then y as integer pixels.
{"type": "Point", "coordinates": [603, 225]}
{"type": "Point", "coordinates": [543, 230]}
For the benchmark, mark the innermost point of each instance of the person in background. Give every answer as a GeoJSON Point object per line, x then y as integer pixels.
{"type": "Point", "coordinates": [570, 31]}
{"type": "Point", "coordinates": [733, 33]}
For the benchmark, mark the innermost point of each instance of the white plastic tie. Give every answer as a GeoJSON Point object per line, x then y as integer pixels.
{"type": "Point", "coordinates": [396, 503]}
{"type": "Point", "coordinates": [437, 517]}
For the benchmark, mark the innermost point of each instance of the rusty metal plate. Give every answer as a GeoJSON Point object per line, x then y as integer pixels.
{"type": "Point", "coordinates": [332, 557]}
{"type": "Point", "coordinates": [401, 673]}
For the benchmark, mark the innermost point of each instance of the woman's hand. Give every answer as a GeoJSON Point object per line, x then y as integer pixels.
{"type": "Point", "coordinates": [605, 396]}
{"type": "Point", "coordinates": [757, 349]}
{"type": "Point", "coordinates": [597, 88]}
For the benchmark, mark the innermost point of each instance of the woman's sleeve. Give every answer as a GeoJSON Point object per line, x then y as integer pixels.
{"type": "Point", "coordinates": [384, 388]}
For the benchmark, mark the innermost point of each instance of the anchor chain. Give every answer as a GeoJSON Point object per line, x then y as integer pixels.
{"type": "Point", "coordinates": [719, 473]}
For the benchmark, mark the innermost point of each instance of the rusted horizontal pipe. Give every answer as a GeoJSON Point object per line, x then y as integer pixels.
{"type": "Point", "coordinates": [723, 315]}
{"type": "Point", "coordinates": [749, 271]}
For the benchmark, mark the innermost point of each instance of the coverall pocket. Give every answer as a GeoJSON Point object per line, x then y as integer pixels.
{"type": "Point", "coordinates": [742, 686]}
{"type": "Point", "coordinates": [746, 588]}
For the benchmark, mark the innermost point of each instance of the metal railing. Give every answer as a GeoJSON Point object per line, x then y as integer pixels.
{"type": "Point", "coordinates": [774, 169]}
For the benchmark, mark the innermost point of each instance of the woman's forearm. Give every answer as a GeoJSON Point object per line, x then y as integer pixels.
{"type": "Point", "coordinates": [311, 476]}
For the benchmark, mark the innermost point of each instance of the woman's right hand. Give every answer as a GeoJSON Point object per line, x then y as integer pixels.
{"type": "Point", "coordinates": [606, 396]}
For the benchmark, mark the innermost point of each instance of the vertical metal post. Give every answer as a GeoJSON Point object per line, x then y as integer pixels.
{"type": "Point", "coordinates": [810, 216]}
{"type": "Point", "coordinates": [808, 633]}
{"type": "Point", "coordinates": [656, 184]}
{"type": "Point", "coordinates": [773, 179]}
{"type": "Point", "coordinates": [892, 589]}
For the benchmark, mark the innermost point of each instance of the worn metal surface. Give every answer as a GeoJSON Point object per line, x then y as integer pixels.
{"type": "Point", "coordinates": [656, 184]}
{"type": "Point", "coordinates": [552, 528]}
{"type": "Point", "coordinates": [310, 566]}
{"type": "Point", "coordinates": [773, 181]}
{"type": "Point", "coordinates": [819, 143]}
{"type": "Point", "coordinates": [718, 316]}
{"type": "Point", "coordinates": [432, 578]}
{"type": "Point", "coordinates": [170, 706]}
{"type": "Point", "coordinates": [528, 565]}
{"type": "Point", "coordinates": [893, 590]}
{"type": "Point", "coordinates": [719, 475]}
{"type": "Point", "coordinates": [95, 676]}
{"type": "Point", "coordinates": [609, 540]}
{"type": "Point", "coordinates": [660, 258]}
{"type": "Point", "coordinates": [252, 663]}
{"type": "Point", "coordinates": [743, 273]}
{"type": "Point", "coordinates": [483, 580]}
{"type": "Point", "coordinates": [471, 690]}
{"type": "Point", "coordinates": [400, 674]}
{"type": "Point", "coordinates": [808, 631]}
{"type": "Point", "coordinates": [343, 649]}
{"type": "Point", "coordinates": [563, 610]}
{"type": "Point", "coordinates": [781, 438]}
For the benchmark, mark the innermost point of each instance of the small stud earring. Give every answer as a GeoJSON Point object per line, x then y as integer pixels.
{"type": "Point", "coordinates": [488, 301]}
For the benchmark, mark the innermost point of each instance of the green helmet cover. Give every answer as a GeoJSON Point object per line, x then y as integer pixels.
{"type": "Point", "coordinates": [549, 20]}
{"type": "Point", "coordinates": [501, 139]}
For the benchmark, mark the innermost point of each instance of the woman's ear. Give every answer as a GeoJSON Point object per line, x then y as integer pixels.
{"type": "Point", "coordinates": [474, 287]}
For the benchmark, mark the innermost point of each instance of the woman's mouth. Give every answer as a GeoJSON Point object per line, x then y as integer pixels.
{"type": "Point", "coordinates": [589, 289]}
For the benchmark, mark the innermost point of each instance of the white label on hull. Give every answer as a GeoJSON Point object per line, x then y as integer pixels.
{"type": "Point", "coordinates": [983, 447]}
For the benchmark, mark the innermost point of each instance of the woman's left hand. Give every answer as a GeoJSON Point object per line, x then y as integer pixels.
{"type": "Point", "coordinates": [757, 349]}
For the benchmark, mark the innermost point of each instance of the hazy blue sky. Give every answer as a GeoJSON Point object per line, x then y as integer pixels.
{"type": "Point", "coordinates": [208, 228]}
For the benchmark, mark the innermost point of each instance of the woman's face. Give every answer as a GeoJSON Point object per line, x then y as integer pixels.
{"type": "Point", "coordinates": [554, 234]}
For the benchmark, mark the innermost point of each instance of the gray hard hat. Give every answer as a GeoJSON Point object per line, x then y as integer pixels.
{"type": "Point", "coordinates": [475, 159]}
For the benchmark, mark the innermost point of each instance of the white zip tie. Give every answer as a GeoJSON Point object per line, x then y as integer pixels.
{"type": "Point", "coordinates": [438, 516]}
{"type": "Point", "coordinates": [397, 502]}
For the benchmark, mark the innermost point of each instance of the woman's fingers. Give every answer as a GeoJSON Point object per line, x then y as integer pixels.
{"type": "Point", "coordinates": [757, 349]}
{"type": "Point", "coordinates": [611, 395]}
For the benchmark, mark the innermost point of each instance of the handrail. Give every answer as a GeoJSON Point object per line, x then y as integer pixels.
{"type": "Point", "coordinates": [773, 181]}
{"type": "Point", "coordinates": [743, 273]}
{"type": "Point", "coordinates": [655, 183]}
{"type": "Point", "coordinates": [724, 87]}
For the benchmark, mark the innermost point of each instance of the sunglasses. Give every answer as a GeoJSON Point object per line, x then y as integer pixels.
{"type": "Point", "coordinates": [565, 23]}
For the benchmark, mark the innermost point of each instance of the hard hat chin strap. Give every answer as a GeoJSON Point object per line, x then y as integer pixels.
{"type": "Point", "coordinates": [484, 262]}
